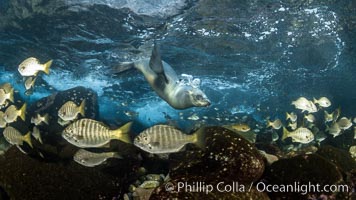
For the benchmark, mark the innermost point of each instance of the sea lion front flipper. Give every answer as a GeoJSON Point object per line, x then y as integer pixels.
{"type": "Point", "coordinates": [156, 63]}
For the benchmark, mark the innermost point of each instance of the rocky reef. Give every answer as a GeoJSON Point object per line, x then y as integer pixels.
{"type": "Point", "coordinates": [227, 159]}
{"type": "Point", "coordinates": [328, 166]}
{"type": "Point", "coordinates": [23, 177]}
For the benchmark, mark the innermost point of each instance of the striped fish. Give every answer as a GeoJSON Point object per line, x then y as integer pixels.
{"type": "Point", "coordinates": [6, 96]}
{"type": "Point", "coordinates": [301, 135]}
{"type": "Point", "coordinates": [13, 136]}
{"type": "Point", "coordinates": [2, 120]}
{"type": "Point", "coordinates": [91, 159]}
{"type": "Point", "coordinates": [167, 139]}
{"type": "Point", "coordinates": [38, 119]}
{"type": "Point", "coordinates": [12, 113]}
{"type": "Point", "coordinates": [70, 110]}
{"type": "Point", "coordinates": [87, 133]}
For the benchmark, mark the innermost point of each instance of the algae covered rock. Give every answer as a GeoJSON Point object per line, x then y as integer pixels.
{"type": "Point", "coordinates": [341, 158]}
{"type": "Point", "coordinates": [23, 177]}
{"type": "Point", "coordinates": [51, 104]}
{"type": "Point", "coordinates": [227, 155]}
{"type": "Point", "coordinates": [301, 171]}
{"type": "Point", "coordinates": [228, 165]}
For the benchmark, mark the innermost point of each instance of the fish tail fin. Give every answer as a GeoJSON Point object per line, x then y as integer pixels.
{"type": "Point", "coordinates": [287, 116]}
{"type": "Point", "coordinates": [269, 123]}
{"type": "Point", "coordinates": [82, 108]}
{"type": "Point", "coordinates": [117, 155]}
{"type": "Point", "coordinates": [23, 112]}
{"type": "Point", "coordinates": [315, 100]}
{"type": "Point", "coordinates": [123, 133]}
{"type": "Point", "coordinates": [27, 139]}
{"type": "Point", "coordinates": [285, 133]}
{"type": "Point", "coordinates": [11, 95]}
{"type": "Point", "coordinates": [46, 66]}
{"type": "Point", "coordinates": [123, 67]}
{"type": "Point", "coordinates": [200, 138]}
{"type": "Point", "coordinates": [46, 119]}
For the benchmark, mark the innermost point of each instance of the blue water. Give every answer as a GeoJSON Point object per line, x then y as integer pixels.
{"type": "Point", "coordinates": [253, 58]}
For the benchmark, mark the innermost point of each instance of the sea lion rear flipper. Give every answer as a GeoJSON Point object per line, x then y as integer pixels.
{"type": "Point", "coordinates": [123, 67]}
{"type": "Point", "coordinates": [156, 63]}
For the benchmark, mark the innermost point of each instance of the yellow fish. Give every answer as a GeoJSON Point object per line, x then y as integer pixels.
{"type": "Point", "coordinates": [241, 127]}
{"type": "Point", "coordinates": [13, 136]}
{"type": "Point", "coordinates": [6, 96]}
{"type": "Point", "coordinates": [276, 124]}
{"type": "Point", "coordinates": [12, 113]}
{"type": "Point", "coordinates": [31, 66]}
{"type": "Point", "coordinates": [88, 133]}
{"type": "Point", "coordinates": [70, 110]}
{"type": "Point", "coordinates": [301, 135]}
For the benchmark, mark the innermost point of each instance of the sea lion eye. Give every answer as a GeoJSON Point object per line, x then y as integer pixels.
{"type": "Point", "coordinates": [199, 97]}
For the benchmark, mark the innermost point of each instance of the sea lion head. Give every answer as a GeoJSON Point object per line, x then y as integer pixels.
{"type": "Point", "coordinates": [198, 98]}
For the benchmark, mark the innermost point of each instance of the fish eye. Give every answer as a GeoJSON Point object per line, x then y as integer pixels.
{"type": "Point", "coordinates": [199, 97]}
{"type": "Point", "coordinates": [145, 138]}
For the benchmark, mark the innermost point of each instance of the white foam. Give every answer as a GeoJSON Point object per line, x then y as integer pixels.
{"type": "Point", "coordinates": [64, 80]}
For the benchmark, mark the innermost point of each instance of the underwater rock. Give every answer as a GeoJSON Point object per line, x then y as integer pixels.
{"type": "Point", "coordinates": [13, 10]}
{"type": "Point", "coordinates": [341, 158]}
{"type": "Point", "coordinates": [228, 158]}
{"type": "Point", "coordinates": [227, 155]}
{"type": "Point", "coordinates": [53, 143]}
{"type": "Point", "coordinates": [53, 103]}
{"type": "Point", "coordinates": [23, 177]}
{"type": "Point", "coordinates": [304, 170]}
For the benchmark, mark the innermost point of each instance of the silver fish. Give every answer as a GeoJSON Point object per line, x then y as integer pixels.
{"type": "Point", "coordinates": [12, 113]}
{"type": "Point", "coordinates": [344, 123]}
{"type": "Point", "coordinates": [90, 159]}
{"type": "Point", "coordinates": [352, 151]}
{"type": "Point", "coordinates": [291, 116]}
{"type": "Point", "coordinates": [275, 136]}
{"type": "Point", "coordinates": [6, 96]}
{"type": "Point", "coordinates": [87, 133]}
{"type": "Point", "coordinates": [161, 139]}
{"type": "Point", "coordinates": [305, 105]}
{"type": "Point", "coordinates": [38, 119]}
{"type": "Point", "coordinates": [30, 82]}
{"type": "Point", "coordinates": [328, 117]}
{"type": "Point", "coordinates": [334, 129]}
{"type": "Point", "coordinates": [309, 117]}
{"type": "Point", "coordinates": [320, 136]}
{"type": "Point", "coordinates": [37, 134]}
{"type": "Point", "coordinates": [336, 114]}
{"type": "Point", "coordinates": [323, 102]}
{"type": "Point", "coordinates": [301, 135]}
{"type": "Point", "coordinates": [2, 120]}
{"type": "Point", "coordinates": [276, 124]}
{"type": "Point", "coordinates": [13, 136]}
{"type": "Point", "coordinates": [70, 110]}
{"type": "Point", "coordinates": [31, 66]}
{"type": "Point", "coordinates": [293, 125]}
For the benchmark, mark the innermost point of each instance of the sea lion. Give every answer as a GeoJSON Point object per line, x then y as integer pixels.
{"type": "Point", "coordinates": [165, 82]}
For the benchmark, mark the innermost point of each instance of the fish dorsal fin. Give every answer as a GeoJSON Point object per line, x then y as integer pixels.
{"type": "Point", "coordinates": [156, 63]}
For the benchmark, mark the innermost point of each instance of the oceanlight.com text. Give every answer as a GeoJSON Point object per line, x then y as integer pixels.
{"type": "Point", "coordinates": [296, 187]}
